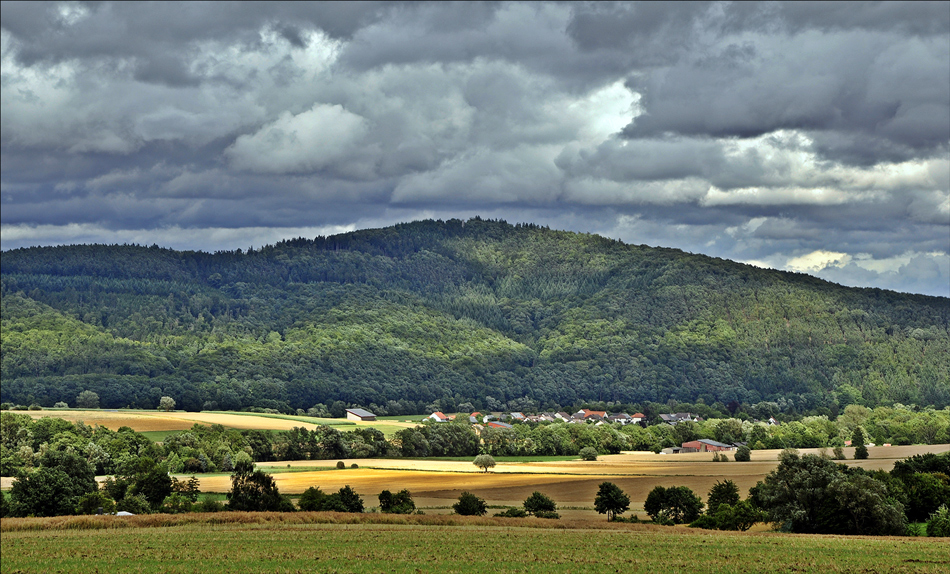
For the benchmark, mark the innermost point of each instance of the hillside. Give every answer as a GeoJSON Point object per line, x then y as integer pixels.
{"type": "Point", "coordinates": [446, 313]}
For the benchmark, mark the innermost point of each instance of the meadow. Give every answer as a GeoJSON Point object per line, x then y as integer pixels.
{"type": "Point", "coordinates": [372, 543]}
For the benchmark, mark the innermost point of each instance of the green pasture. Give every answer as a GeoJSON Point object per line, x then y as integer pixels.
{"type": "Point", "coordinates": [261, 544]}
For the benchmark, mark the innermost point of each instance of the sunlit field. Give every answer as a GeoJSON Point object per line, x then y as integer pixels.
{"type": "Point", "coordinates": [438, 483]}
{"type": "Point", "coordinates": [372, 543]}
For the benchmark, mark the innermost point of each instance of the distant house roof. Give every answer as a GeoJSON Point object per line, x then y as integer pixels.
{"type": "Point", "coordinates": [714, 443]}
{"type": "Point", "coordinates": [362, 413]}
{"type": "Point", "coordinates": [638, 416]}
{"type": "Point", "coordinates": [496, 425]}
{"type": "Point", "coordinates": [439, 416]}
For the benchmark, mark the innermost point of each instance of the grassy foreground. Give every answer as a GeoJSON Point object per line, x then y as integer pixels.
{"type": "Point", "coordinates": [333, 543]}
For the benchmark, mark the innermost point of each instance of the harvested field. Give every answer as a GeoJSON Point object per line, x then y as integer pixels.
{"type": "Point", "coordinates": [329, 542]}
{"type": "Point", "coordinates": [436, 483]}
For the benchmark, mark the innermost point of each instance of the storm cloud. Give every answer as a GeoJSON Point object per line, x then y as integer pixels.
{"type": "Point", "coordinates": [813, 137]}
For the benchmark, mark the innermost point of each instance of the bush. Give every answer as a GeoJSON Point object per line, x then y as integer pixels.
{"type": "Point", "coordinates": [837, 453]}
{"type": "Point", "coordinates": [538, 502]}
{"type": "Point", "coordinates": [743, 454]}
{"type": "Point", "coordinates": [35, 407]}
{"type": "Point", "coordinates": [512, 513]}
{"type": "Point", "coordinates": [470, 505]}
{"type": "Point", "coordinates": [341, 465]}
{"type": "Point", "coordinates": [135, 504]}
{"type": "Point", "coordinates": [354, 465]}
{"type": "Point", "coordinates": [678, 504]}
{"type": "Point", "coordinates": [208, 505]}
{"type": "Point", "coordinates": [91, 502]}
{"type": "Point", "coordinates": [550, 514]}
{"type": "Point", "coordinates": [176, 503]}
{"type": "Point", "coordinates": [399, 503]}
{"type": "Point", "coordinates": [588, 453]}
{"type": "Point", "coordinates": [61, 405]}
{"type": "Point", "coordinates": [939, 523]}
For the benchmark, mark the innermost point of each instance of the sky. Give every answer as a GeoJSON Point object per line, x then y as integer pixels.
{"type": "Point", "coordinates": [811, 137]}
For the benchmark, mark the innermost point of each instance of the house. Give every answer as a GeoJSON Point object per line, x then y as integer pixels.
{"type": "Point", "coordinates": [359, 415]}
{"type": "Point", "coordinates": [675, 418]}
{"type": "Point", "coordinates": [622, 418]}
{"type": "Point", "coordinates": [438, 417]}
{"type": "Point", "coordinates": [638, 418]}
{"type": "Point", "coordinates": [706, 445]}
{"type": "Point", "coordinates": [497, 425]}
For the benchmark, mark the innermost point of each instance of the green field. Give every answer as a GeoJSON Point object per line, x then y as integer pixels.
{"type": "Point", "coordinates": [331, 543]}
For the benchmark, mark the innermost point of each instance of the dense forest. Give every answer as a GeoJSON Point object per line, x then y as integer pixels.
{"type": "Point", "coordinates": [453, 315]}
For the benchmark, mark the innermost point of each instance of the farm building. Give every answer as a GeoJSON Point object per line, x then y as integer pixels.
{"type": "Point", "coordinates": [439, 417]}
{"type": "Point", "coordinates": [359, 415]}
{"type": "Point", "coordinates": [705, 445]}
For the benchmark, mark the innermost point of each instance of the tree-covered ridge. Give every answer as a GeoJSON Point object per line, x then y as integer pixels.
{"type": "Point", "coordinates": [439, 313]}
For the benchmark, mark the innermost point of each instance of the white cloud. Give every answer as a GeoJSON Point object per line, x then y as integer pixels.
{"type": "Point", "coordinates": [301, 143]}
{"type": "Point", "coordinates": [817, 260]}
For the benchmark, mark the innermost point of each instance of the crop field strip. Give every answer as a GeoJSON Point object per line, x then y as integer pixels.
{"type": "Point", "coordinates": [153, 421]}
{"type": "Point", "coordinates": [329, 542]}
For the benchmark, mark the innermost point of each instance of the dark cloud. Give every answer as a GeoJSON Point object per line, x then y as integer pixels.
{"type": "Point", "coordinates": [808, 136]}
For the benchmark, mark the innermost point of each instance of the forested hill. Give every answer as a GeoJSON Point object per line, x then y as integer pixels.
{"type": "Point", "coordinates": [441, 314]}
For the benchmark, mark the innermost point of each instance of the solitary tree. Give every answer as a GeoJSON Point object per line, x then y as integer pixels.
{"type": "Point", "coordinates": [588, 453]}
{"type": "Point", "coordinates": [470, 505]}
{"type": "Point", "coordinates": [87, 400]}
{"type": "Point", "coordinates": [538, 502]}
{"type": "Point", "coordinates": [743, 454]}
{"type": "Point", "coordinates": [858, 439]}
{"type": "Point", "coordinates": [610, 500]}
{"type": "Point", "coordinates": [166, 404]}
{"type": "Point", "coordinates": [399, 503]}
{"type": "Point", "coordinates": [484, 462]}
{"type": "Point", "coordinates": [252, 489]}
{"type": "Point", "coordinates": [723, 492]}
{"type": "Point", "coordinates": [678, 504]}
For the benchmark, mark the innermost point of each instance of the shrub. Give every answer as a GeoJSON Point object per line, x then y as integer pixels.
{"type": "Point", "coordinates": [61, 405]}
{"type": "Point", "coordinates": [91, 502]}
{"type": "Point", "coordinates": [470, 505]}
{"type": "Point", "coordinates": [399, 503]}
{"type": "Point", "coordinates": [354, 465]}
{"type": "Point", "coordinates": [35, 407]}
{"type": "Point", "coordinates": [512, 513]}
{"type": "Point", "coordinates": [550, 514]}
{"type": "Point", "coordinates": [939, 523]}
{"type": "Point", "coordinates": [588, 453]}
{"type": "Point", "coordinates": [341, 465]}
{"type": "Point", "coordinates": [176, 503]}
{"type": "Point", "coordinates": [208, 505]}
{"type": "Point", "coordinates": [743, 454]}
{"type": "Point", "coordinates": [137, 504]}
{"type": "Point", "coordinates": [837, 453]}
{"type": "Point", "coordinates": [538, 502]}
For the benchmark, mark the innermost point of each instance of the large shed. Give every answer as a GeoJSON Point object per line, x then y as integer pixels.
{"type": "Point", "coordinates": [359, 415]}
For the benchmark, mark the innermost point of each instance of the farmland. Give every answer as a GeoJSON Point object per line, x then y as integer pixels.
{"type": "Point", "coordinates": [156, 421]}
{"type": "Point", "coordinates": [328, 542]}
{"type": "Point", "coordinates": [438, 483]}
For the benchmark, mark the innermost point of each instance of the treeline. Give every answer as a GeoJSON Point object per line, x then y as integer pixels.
{"type": "Point", "coordinates": [439, 314]}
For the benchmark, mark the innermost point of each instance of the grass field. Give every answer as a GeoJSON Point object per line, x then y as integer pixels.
{"type": "Point", "coordinates": [332, 543]}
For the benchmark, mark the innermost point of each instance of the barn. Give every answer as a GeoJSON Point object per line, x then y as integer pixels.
{"type": "Point", "coordinates": [359, 415]}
